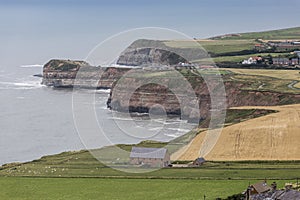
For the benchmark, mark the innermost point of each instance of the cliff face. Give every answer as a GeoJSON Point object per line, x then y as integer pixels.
{"type": "Point", "coordinates": [153, 98]}
{"type": "Point", "coordinates": [147, 50]}
{"type": "Point", "coordinates": [62, 73]}
{"type": "Point", "coordinates": [142, 56]}
{"type": "Point", "coordinates": [148, 96]}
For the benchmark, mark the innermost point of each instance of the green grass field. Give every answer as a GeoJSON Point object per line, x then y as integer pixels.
{"type": "Point", "coordinates": [217, 47]}
{"type": "Point", "coordinates": [283, 34]}
{"type": "Point", "coordinates": [95, 188]}
{"type": "Point", "coordinates": [83, 164]}
{"type": "Point", "coordinates": [214, 46]}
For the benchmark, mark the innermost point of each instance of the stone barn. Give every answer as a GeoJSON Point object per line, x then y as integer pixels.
{"type": "Point", "coordinates": [152, 157]}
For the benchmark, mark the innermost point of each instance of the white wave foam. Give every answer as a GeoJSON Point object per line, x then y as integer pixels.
{"type": "Point", "coordinates": [30, 66]}
{"type": "Point", "coordinates": [156, 129]}
{"type": "Point", "coordinates": [121, 119]}
{"type": "Point", "coordinates": [173, 122]}
{"type": "Point", "coordinates": [171, 135]}
{"type": "Point", "coordinates": [105, 91]}
{"type": "Point", "coordinates": [22, 85]}
{"type": "Point", "coordinates": [179, 130]}
{"type": "Point", "coordinates": [121, 66]}
{"type": "Point", "coordinates": [139, 114]}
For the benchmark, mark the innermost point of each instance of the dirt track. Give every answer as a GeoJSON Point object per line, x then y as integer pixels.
{"type": "Point", "coordinates": [272, 137]}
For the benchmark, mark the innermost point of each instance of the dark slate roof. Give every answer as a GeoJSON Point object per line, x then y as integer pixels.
{"type": "Point", "coordinates": [278, 195]}
{"type": "Point", "coordinates": [261, 187]}
{"type": "Point", "coordinates": [141, 152]}
{"type": "Point", "coordinates": [286, 195]}
{"type": "Point", "coordinates": [263, 196]}
{"type": "Point", "coordinates": [200, 160]}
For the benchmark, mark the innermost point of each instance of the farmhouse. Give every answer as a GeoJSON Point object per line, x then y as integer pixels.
{"type": "Point", "coordinates": [152, 157]}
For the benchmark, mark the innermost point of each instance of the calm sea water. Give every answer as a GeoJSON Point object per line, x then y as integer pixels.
{"type": "Point", "coordinates": [36, 120]}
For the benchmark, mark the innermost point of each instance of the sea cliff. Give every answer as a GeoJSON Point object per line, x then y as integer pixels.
{"type": "Point", "coordinates": [67, 74]}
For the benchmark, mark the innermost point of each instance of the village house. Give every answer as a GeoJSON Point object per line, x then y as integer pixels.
{"type": "Point", "coordinates": [296, 43]}
{"type": "Point", "coordinates": [294, 61]}
{"type": "Point", "coordinates": [252, 60]}
{"type": "Point", "coordinates": [279, 46]}
{"type": "Point", "coordinates": [281, 61]}
{"type": "Point", "coordinates": [285, 61]}
{"type": "Point", "coordinates": [260, 47]}
{"type": "Point", "coordinates": [152, 157]}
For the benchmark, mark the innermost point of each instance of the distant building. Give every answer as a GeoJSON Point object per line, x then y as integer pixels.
{"type": "Point", "coordinates": [298, 53]}
{"type": "Point", "coordinates": [281, 61]}
{"type": "Point", "coordinates": [259, 188]}
{"type": "Point", "coordinates": [152, 157]}
{"type": "Point", "coordinates": [252, 60]}
{"type": "Point", "coordinates": [296, 43]}
{"type": "Point", "coordinates": [286, 61]}
{"type": "Point", "coordinates": [260, 47]}
{"type": "Point", "coordinates": [284, 45]}
{"type": "Point", "coordinates": [294, 61]}
{"type": "Point", "coordinates": [199, 161]}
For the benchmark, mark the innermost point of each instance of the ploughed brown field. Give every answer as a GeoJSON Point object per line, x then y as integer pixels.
{"type": "Point", "coordinates": [272, 137]}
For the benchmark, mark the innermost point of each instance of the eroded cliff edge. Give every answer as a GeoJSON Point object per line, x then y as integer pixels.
{"type": "Point", "coordinates": [68, 73]}
{"type": "Point", "coordinates": [238, 92]}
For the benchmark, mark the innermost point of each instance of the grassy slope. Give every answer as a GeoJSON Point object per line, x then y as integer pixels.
{"type": "Point", "coordinates": [191, 49]}
{"type": "Point", "coordinates": [212, 179]}
{"type": "Point", "coordinates": [83, 164]}
{"type": "Point", "coordinates": [245, 41]}
{"type": "Point", "coordinates": [282, 81]}
{"type": "Point", "coordinates": [286, 76]}
{"type": "Point", "coordinates": [289, 33]}
{"type": "Point", "coordinates": [214, 46]}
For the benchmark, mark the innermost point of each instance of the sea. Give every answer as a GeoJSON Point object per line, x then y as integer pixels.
{"type": "Point", "coordinates": [36, 120]}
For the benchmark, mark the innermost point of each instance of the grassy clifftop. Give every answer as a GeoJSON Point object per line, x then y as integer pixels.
{"type": "Point", "coordinates": [281, 34]}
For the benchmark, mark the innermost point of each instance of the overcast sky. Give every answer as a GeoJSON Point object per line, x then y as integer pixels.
{"type": "Point", "coordinates": [34, 31]}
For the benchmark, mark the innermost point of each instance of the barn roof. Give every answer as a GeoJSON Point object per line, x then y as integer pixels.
{"type": "Point", "coordinates": [261, 187]}
{"type": "Point", "coordinates": [200, 160]}
{"type": "Point", "coordinates": [141, 152]}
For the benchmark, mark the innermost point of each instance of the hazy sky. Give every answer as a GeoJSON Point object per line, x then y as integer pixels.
{"type": "Point", "coordinates": [34, 31]}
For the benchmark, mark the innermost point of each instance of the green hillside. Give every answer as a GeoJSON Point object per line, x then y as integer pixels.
{"type": "Point", "coordinates": [281, 34]}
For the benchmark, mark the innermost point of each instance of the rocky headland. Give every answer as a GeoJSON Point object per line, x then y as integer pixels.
{"type": "Point", "coordinates": [69, 74]}
{"type": "Point", "coordinates": [149, 86]}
